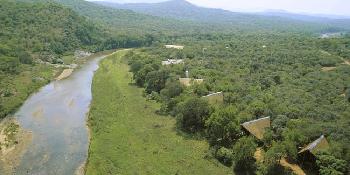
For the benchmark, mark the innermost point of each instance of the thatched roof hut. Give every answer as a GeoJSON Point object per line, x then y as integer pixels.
{"type": "Point", "coordinates": [317, 145]}
{"type": "Point", "coordinates": [307, 156]}
{"type": "Point", "coordinates": [257, 127]}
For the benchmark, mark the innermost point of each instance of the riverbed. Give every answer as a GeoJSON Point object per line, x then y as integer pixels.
{"type": "Point", "coordinates": [56, 118]}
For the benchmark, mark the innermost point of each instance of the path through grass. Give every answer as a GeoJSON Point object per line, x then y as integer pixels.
{"type": "Point", "coordinates": [127, 137]}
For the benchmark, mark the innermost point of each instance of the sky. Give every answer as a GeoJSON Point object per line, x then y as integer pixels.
{"type": "Point", "coordinates": [332, 7]}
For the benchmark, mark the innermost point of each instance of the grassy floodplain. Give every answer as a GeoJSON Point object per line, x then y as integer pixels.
{"type": "Point", "coordinates": [128, 137]}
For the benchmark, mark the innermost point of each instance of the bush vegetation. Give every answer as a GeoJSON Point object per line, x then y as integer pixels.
{"type": "Point", "coordinates": [277, 75]}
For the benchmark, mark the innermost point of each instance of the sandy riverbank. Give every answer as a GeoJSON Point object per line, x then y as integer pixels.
{"type": "Point", "coordinates": [65, 74]}
{"type": "Point", "coordinates": [12, 148]}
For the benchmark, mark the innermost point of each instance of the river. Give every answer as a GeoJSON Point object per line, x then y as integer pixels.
{"type": "Point", "coordinates": [56, 116]}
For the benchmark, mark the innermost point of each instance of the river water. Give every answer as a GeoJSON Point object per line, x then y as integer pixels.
{"type": "Point", "coordinates": [56, 116]}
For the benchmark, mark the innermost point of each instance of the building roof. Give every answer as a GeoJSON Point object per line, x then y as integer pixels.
{"type": "Point", "coordinates": [198, 81]}
{"type": "Point", "coordinates": [172, 61]}
{"type": "Point", "coordinates": [257, 127]}
{"type": "Point", "coordinates": [215, 98]}
{"type": "Point", "coordinates": [185, 81]}
{"type": "Point", "coordinates": [317, 145]}
{"type": "Point", "coordinates": [214, 94]}
{"type": "Point", "coordinates": [174, 47]}
{"type": "Point", "coordinates": [190, 81]}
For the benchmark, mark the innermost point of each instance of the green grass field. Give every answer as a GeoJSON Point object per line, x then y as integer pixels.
{"type": "Point", "coordinates": [127, 137]}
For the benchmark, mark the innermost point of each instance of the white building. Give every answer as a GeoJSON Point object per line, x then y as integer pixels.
{"type": "Point", "coordinates": [172, 61]}
{"type": "Point", "coordinates": [174, 47]}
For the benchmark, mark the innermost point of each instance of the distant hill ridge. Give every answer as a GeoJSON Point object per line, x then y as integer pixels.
{"type": "Point", "coordinates": [179, 9]}
{"type": "Point", "coordinates": [182, 17]}
{"type": "Point", "coordinates": [184, 10]}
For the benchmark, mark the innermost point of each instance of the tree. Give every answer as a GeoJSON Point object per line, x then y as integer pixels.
{"type": "Point", "coordinates": [243, 153]}
{"type": "Point", "coordinates": [275, 154]}
{"type": "Point", "coordinates": [155, 81]}
{"type": "Point", "coordinates": [258, 108]}
{"type": "Point", "coordinates": [179, 55]}
{"type": "Point", "coordinates": [135, 67]}
{"type": "Point", "coordinates": [140, 76]}
{"type": "Point", "coordinates": [223, 127]}
{"type": "Point", "coordinates": [224, 155]}
{"type": "Point", "coordinates": [171, 90]}
{"type": "Point", "coordinates": [330, 165]}
{"type": "Point", "coordinates": [347, 95]}
{"type": "Point", "coordinates": [25, 58]}
{"type": "Point", "coordinates": [9, 64]}
{"type": "Point", "coordinates": [291, 151]}
{"type": "Point", "coordinates": [268, 138]}
{"type": "Point", "coordinates": [200, 89]}
{"type": "Point", "coordinates": [192, 114]}
{"type": "Point", "coordinates": [294, 135]}
{"type": "Point", "coordinates": [279, 124]}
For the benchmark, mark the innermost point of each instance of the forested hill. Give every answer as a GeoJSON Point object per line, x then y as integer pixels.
{"type": "Point", "coordinates": [131, 23]}
{"type": "Point", "coordinates": [42, 29]}
{"type": "Point", "coordinates": [181, 9]}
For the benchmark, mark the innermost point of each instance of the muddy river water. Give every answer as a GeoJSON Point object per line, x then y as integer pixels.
{"type": "Point", "coordinates": [56, 116]}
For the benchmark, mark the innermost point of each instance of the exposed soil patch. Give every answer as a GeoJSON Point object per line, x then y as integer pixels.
{"type": "Point", "coordinates": [259, 157]}
{"type": "Point", "coordinates": [81, 169]}
{"type": "Point", "coordinates": [347, 62]}
{"type": "Point", "coordinates": [14, 141]}
{"type": "Point", "coordinates": [294, 167]}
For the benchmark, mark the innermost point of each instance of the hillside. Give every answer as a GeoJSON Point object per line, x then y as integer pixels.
{"type": "Point", "coordinates": [31, 32]}
{"type": "Point", "coordinates": [128, 22]}
{"type": "Point", "coordinates": [183, 10]}
{"type": "Point", "coordinates": [179, 9]}
{"type": "Point", "coordinates": [43, 27]}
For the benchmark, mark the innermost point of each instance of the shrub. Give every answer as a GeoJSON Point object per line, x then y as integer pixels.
{"type": "Point", "coordinates": [155, 81]}
{"type": "Point", "coordinates": [330, 165]}
{"type": "Point", "coordinates": [224, 155]}
{"type": "Point", "coordinates": [9, 64]}
{"type": "Point", "coordinates": [25, 57]}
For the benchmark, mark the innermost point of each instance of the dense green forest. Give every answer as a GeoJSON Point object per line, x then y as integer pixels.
{"type": "Point", "coordinates": [44, 28]}
{"type": "Point", "coordinates": [277, 75]}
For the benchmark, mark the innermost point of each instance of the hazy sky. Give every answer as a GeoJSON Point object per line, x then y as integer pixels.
{"type": "Point", "coordinates": [336, 7]}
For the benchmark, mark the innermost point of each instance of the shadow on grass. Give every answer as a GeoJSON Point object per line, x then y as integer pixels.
{"type": "Point", "coordinates": [189, 136]}
{"type": "Point", "coordinates": [245, 168]}
{"type": "Point", "coordinates": [133, 84]}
